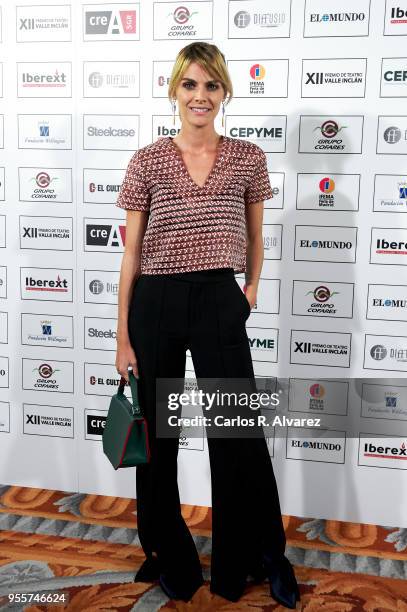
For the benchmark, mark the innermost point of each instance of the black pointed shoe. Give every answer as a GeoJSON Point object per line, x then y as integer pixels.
{"type": "Point", "coordinates": [175, 589]}
{"type": "Point", "coordinates": [149, 571]}
{"type": "Point", "coordinates": [283, 584]}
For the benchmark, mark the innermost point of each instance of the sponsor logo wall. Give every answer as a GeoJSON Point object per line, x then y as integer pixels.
{"type": "Point", "coordinates": [321, 91]}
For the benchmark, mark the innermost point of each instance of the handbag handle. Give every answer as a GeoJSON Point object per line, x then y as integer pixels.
{"type": "Point", "coordinates": [134, 392]}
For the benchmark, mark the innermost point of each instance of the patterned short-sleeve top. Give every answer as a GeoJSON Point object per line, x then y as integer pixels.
{"type": "Point", "coordinates": [192, 227]}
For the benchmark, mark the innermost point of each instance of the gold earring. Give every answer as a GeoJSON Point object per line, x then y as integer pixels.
{"type": "Point", "coordinates": [173, 111]}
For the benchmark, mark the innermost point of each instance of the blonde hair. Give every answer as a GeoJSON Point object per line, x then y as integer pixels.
{"type": "Point", "coordinates": [209, 57]}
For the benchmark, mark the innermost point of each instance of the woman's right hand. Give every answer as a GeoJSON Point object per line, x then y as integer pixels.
{"type": "Point", "coordinates": [125, 358]}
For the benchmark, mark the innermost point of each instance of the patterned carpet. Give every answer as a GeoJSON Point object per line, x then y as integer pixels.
{"type": "Point", "coordinates": [87, 547]}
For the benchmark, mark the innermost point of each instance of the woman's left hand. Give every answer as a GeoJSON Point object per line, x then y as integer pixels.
{"type": "Point", "coordinates": [251, 295]}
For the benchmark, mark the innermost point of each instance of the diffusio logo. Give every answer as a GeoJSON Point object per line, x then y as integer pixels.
{"type": "Point", "coordinates": [242, 19]}
{"type": "Point", "coordinates": [378, 352]}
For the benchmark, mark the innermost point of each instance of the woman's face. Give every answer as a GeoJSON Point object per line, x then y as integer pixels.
{"type": "Point", "coordinates": [199, 96]}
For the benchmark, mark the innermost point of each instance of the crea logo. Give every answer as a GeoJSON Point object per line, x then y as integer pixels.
{"type": "Point", "coordinates": [110, 22]}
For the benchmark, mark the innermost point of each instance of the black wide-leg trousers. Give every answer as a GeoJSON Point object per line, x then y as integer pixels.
{"type": "Point", "coordinates": [205, 312]}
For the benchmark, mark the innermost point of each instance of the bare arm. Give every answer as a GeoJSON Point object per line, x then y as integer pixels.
{"type": "Point", "coordinates": [136, 223]}
{"type": "Point", "coordinates": [255, 248]}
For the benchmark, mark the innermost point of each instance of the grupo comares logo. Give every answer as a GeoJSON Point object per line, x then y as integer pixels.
{"type": "Point", "coordinates": [46, 330]}
{"type": "Point", "coordinates": [102, 186]}
{"type": "Point", "coordinates": [100, 334]}
{"type": "Point", "coordinates": [4, 376]}
{"type": "Point", "coordinates": [104, 235]}
{"type": "Point", "coordinates": [44, 79]}
{"type": "Point", "coordinates": [390, 193]}
{"type": "Point", "coordinates": [388, 246]}
{"type": "Point", "coordinates": [325, 445]}
{"type": "Point", "coordinates": [2, 231]}
{"type": "Point", "coordinates": [395, 20]}
{"type": "Point", "coordinates": [322, 299]}
{"type": "Point", "coordinates": [387, 302]}
{"type": "Point", "coordinates": [45, 132]}
{"type": "Point", "coordinates": [101, 286]}
{"type": "Point", "coordinates": [46, 233]}
{"type": "Point", "coordinates": [323, 397]}
{"type": "Point", "coordinates": [349, 18]}
{"type": "Point", "coordinates": [328, 191]}
{"type": "Point", "coordinates": [111, 132]}
{"type": "Point", "coordinates": [5, 417]}
{"type": "Point", "coordinates": [263, 344]}
{"type": "Point", "coordinates": [182, 20]}
{"type": "Point", "coordinates": [265, 78]}
{"type": "Point", "coordinates": [267, 131]}
{"type": "Point", "coordinates": [394, 77]}
{"type": "Point", "coordinates": [320, 348]}
{"type": "Point", "coordinates": [100, 379]}
{"type": "Point", "coordinates": [110, 21]}
{"type": "Point", "coordinates": [259, 19]}
{"type": "Point", "coordinates": [45, 184]}
{"type": "Point", "coordinates": [45, 375]}
{"type": "Point", "coordinates": [55, 421]}
{"type": "Point", "coordinates": [52, 284]}
{"type": "Point", "coordinates": [3, 282]}
{"type": "Point", "coordinates": [3, 327]}
{"type": "Point", "coordinates": [333, 78]}
{"type": "Point", "coordinates": [43, 23]}
{"type": "Point", "coordinates": [383, 451]}
{"type": "Point", "coordinates": [392, 135]}
{"type": "Point", "coordinates": [385, 353]}
{"type": "Point", "coordinates": [334, 244]}
{"type": "Point", "coordinates": [111, 79]}
{"type": "Point", "coordinates": [384, 402]}
{"type": "Point", "coordinates": [334, 135]}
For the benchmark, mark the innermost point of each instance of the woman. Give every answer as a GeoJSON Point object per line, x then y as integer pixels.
{"type": "Point", "coordinates": [201, 195]}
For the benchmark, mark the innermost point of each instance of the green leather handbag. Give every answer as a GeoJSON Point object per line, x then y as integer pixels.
{"type": "Point", "coordinates": [125, 436]}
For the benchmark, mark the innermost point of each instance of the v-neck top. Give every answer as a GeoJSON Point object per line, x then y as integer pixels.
{"type": "Point", "coordinates": [192, 227]}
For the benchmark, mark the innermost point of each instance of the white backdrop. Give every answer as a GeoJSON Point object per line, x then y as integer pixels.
{"type": "Point", "coordinates": [83, 86]}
